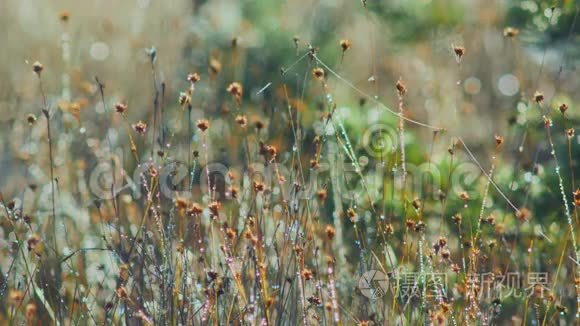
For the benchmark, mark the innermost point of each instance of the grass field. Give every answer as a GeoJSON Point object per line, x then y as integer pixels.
{"type": "Point", "coordinates": [242, 162]}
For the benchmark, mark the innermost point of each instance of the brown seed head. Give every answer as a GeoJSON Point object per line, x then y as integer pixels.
{"type": "Point", "coordinates": [417, 203]}
{"type": "Point", "coordinates": [330, 232]}
{"type": "Point", "coordinates": [322, 194]}
{"type": "Point", "coordinates": [37, 67]}
{"type": "Point", "coordinates": [318, 73]}
{"type": "Point", "coordinates": [33, 241]}
{"type": "Point", "coordinates": [122, 293]}
{"type": "Point", "coordinates": [563, 108]}
{"type": "Point", "coordinates": [259, 125]}
{"type": "Point", "coordinates": [214, 66]}
{"type": "Point", "coordinates": [124, 272]}
{"type": "Point", "coordinates": [120, 107]}
{"type": "Point", "coordinates": [184, 98]}
{"type": "Point", "coordinates": [401, 89]}
{"type": "Point", "coordinates": [195, 209]}
{"type": "Point", "coordinates": [31, 118]}
{"type": "Point", "coordinates": [351, 214]}
{"type": "Point", "coordinates": [523, 214]}
{"type": "Point", "coordinates": [214, 208]}
{"type": "Point", "coordinates": [241, 120]}
{"type": "Point", "coordinates": [233, 192]}
{"type": "Point", "coordinates": [539, 97]}
{"type": "Point", "coordinates": [511, 32]}
{"type": "Point", "coordinates": [345, 45]}
{"type": "Point", "coordinates": [202, 125]}
{"type": "Point", "coordinates": [181, 203]}
{"type": "Point", "coordinates": [307, 274]}
{"type": "Point", "coordinates": [258, 186]}
{"type": "Point", "coordinates": [498, 140]}
{"type": "Point", "coordinates": [314, 163]}
{"type": "Point", "coordinates": [577, 197]}
{"type": "Point", "coordinates": [16, 296]}
{"type": "Point", "coordinates": [236, 90]}
{"type": "Point", "coordinates": [455, 268]}
{"type": "Point", "coordinates": [459, 52]}
{"type": "Point", "coordinates": [31, 311]}
{"type": "Point", "coordinates": [64, 16]}
{"type": "Point", "coordinates": [193, 78]}
{"type": "Point", "coordinates": [231, 233]}
{"type": "Point", "coordinates": [140, 127]}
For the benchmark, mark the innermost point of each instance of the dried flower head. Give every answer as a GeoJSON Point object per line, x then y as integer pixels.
{"type": "Point", "coordinates": [193, 78]}
{"type": "Point", "coordinates": [510, 32]}
{"type": "Point", "coordinates": [272, 151]}
{"type": "Point", "coordinates": [563, 108]}
{"type": "Point", "coordinates": [31, 118]}
{"type": "Point", "coordinates": [307, 274]}
{"type": "Point", "coordinates": [539, 97]}
{"type": "Point", "coordinates": [64, 16]}
{"type": "Point", "coordinates": [314, 300]}
{"type": "Point", "coordinates": [140, 127]}
{"type": "Point", "coordinates": [16, 296]}
{"type": "Point", "coordinates": [345, 45]}
{"type": "Point", "coordinates": [124, 272]}
{"type": "Point", "coordinates": [122, 293]}
{"type": "Point", "coordinates": [202, 125]}
{"type": "Point", "coordinates": [33, 241]}
{"type": "Point", "coordinates": [489, 220]}
{"type": "Point", "coordinates": [181, 203]}
{"type": "Point", "coordinates": [318, 73]}
{"type": "Point", "coordinates": [231, 233]}
{"type": "Point", "coordinates": [498, 140]}
{"type": "Point", "coordinates": [401, 89]}
{"type": "Point", "coordinates": [570, 132]}
{"type": "Point", "coordinates": [259, 125]}
{"type": "Point", "coordinates": [577, 197]}
{"type": "Point", "coordinates": [464, 196]}
{"type": "Point", "coordinates": [330, 232]}
{"type": "Point", "coordinates": [459, 52]}
{"type": "Point", "coordinates": [37, 67]}
{"type": "Point", "coordinates": [215, 66]}
{"type": "Point", "coordinates": [194, 210]}
{"type": "Point", "coordinates": [214, 208]}
{"type": "Point", "coordinates": [233, 192]}
{"type": "Point", "coordinates": [120, 107]}
{"type": "Point", "coordinates": [184, 98]}
{"type": "Point", "coordinates": [457, 218]}
{"type": "Point", "coordinates": [236, 90]}
{"type": "Point", "coordinates": [455, 268]}
{"type": "Point", "coordinates": [31, 311]}
{"type": "Point", "coordinates": [416, 203]}
{"type": "Point", "coordinates": [523, 214]}
{"type": "Point", "coordinates": [314, 163]}
{"type": "Point", "coordinates": [419, 226]}
{"type": "Point", "coordinates": [241, 120]}
{"type": "Point", "coordinates": [258, 186]}
{"type": "Point", "coordinates": [351, 214]}
{"type": "Point", "coordinates": [322, 194]}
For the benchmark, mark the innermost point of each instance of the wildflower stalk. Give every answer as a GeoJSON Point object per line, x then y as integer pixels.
{"type": "Point", "coordinates": [548, 125]}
